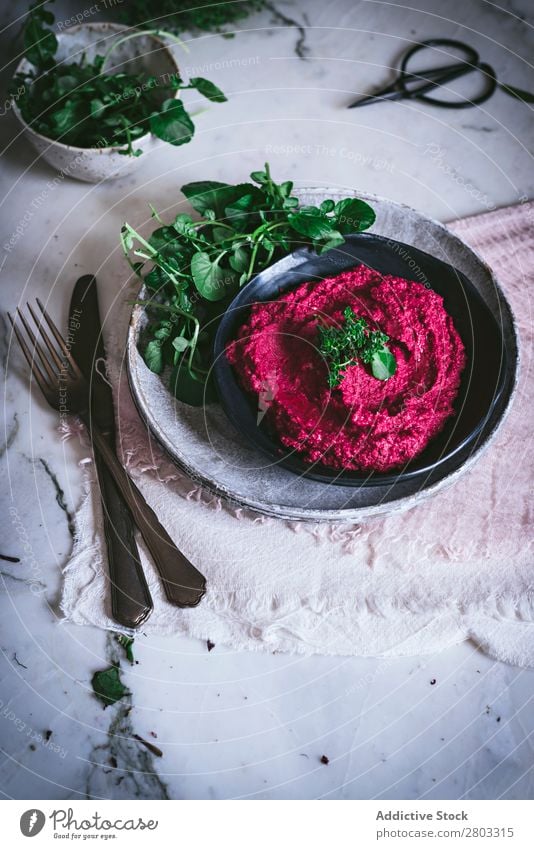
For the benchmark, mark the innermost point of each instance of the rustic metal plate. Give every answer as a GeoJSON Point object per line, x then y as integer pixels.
{"type": "Point", "coordinates": [204, 443]}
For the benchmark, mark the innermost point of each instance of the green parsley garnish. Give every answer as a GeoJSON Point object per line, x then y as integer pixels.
{"type": "Point", "coordinates": [344, 346]}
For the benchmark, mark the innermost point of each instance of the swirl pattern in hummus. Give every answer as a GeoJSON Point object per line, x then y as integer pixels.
{"type": "Point", "coordinates": [365, 423]}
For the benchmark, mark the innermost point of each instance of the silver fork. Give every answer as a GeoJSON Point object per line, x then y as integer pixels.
{"type": "Point", "coordinates": [66, 390]}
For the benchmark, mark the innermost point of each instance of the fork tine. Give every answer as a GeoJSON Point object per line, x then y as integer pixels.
{"type": "Point", "coordinates": [36, 371]}
{"type": "Point", "coordinates": [53, 353]}
{"type": "Point", "coordinates": [36, 347]}
{"type": "Point", "coordinates": [61, 342]}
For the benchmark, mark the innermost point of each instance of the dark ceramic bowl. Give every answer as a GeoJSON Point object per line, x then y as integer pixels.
{"type": "Point", "coordinates": [482, 380]}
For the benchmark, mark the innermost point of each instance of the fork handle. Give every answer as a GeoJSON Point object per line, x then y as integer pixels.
{"type": "Point", "coordinates": [184, 585]}
{"type": "Point", "coordinates": [131, 604]}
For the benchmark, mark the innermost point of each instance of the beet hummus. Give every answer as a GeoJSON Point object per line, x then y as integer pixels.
{"type": "Point", "coordinates": [364, 423]}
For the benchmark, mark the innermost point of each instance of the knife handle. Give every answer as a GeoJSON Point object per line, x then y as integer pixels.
{"type": "Point", "coordinates": [131, 603]}
{"type": "Point", "coordinates": [184, 585]}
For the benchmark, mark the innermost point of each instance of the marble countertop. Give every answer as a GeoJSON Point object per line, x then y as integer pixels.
{"type": "Point", "coordinates": [454, 725]}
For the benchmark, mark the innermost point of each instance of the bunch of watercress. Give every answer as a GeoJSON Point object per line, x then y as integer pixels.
{"type": "Point", "coordinates": [194, 267]}
{"type": "Point", "coordinates": [182, 15]}
{"type": "Point", "coordinates": [81, 105]}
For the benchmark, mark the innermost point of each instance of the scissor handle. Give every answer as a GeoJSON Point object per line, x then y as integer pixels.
{"type": "Point", "coordinates": [471, 62]}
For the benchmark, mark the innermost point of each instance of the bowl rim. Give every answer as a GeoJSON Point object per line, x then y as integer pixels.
{"type": "Point", "coordinates": [363, 478]}
{"type": "Point", "coordinates": [94, 25]}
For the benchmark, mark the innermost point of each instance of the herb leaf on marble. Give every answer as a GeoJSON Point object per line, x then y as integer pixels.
{"type": "Point", "coordinates": [126, 643]}
{"type": "Point", "coordinates": [107, 685]}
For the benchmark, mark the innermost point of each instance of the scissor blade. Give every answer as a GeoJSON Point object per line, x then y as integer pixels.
{"type": "Point", "coordinates": [386, 94]}
{"type": "Point", "coordinates": [439, 74]}
{"type": "Point", "coordinates": [420, 82]}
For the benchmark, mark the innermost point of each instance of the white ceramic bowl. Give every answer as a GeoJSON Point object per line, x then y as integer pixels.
{"type": "Point", "coordinates": [148, 53]}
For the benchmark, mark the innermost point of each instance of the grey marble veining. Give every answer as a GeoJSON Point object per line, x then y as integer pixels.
{"type": "Point", "coordinates": [248, 725]}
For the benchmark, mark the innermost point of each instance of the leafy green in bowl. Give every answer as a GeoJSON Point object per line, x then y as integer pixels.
{"type": "Point", "coordinates": [101, 88]}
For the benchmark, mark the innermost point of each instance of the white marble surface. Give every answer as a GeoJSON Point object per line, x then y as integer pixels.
{"type": "Point", "coordinates": [250, 725]}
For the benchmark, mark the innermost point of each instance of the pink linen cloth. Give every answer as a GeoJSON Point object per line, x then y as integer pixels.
{"type": "Point", "coordinates": [458, 566]}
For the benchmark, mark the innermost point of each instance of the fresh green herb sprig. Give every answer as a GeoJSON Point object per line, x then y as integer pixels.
{"type": "Point", "coordinates": [344, 346]}
{"type": "Point", "coordinates": [81, 105]}
{"type": "Point", "coordinates": [194, 267]}
{"type": "Point", "coordinates": [182, 15]}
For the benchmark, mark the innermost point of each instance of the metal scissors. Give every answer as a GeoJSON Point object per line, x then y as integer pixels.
{"type": "Point", "coordinates": [416, 85]}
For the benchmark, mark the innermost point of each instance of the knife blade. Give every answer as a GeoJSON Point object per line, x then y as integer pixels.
{"type": "Point", "coordinates": [131, 603]}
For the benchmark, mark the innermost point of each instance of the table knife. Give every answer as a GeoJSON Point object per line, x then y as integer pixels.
{"type": "Point", "coordinates": [131, 603]}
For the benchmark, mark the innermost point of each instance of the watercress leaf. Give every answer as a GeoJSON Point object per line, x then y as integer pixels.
{"type": "Point", "coordinates": [64, 84]}
{"type": "Point", "coordinates": [220, 234]}
{"type": "Point", "coordinates": [166, 241]}
{"type": "Point", "coordinates": [383, 364]}
{"type": "Point", "coordinates": [313, 223]}
{"type": "Point", "coordinates": [260, 177]}
{"type": "Point", "coordinates": [126, 643]}
{"type": "Point", "coordinates": [153, 356]}
{"type": "Point", "coordinates": [180, 343]}
{"type": "Point", "coordinates": [172, 123]}
{"type": "Point", "coordinates": [208, 89]}
{"type": "Point", "coordinates": [238, 213]}
{"type": "Point", "coordinates": [290, 203]}
{"type": "Point", "coordinates": [63, 119]}
{"type": "Point", "coordinates": [240, 259]}
{"type": "Point", "coordinates": [97, 107]}
{"type": "Point", "coordinates": [213, 282]}
{"type": "Point", "coordinates": [164, 331]}
{"type": "Point", "coordinates": [327, 206]}
{"type": "Point", "coordinates": [203, 194]}
{"type": "Point", "coordinates": [217, 196]}
{"type": "Point", "coordinates": [177, 262]}
{"type": "Point", "coordinates": [40, 44]}
{"type": "Point", "coordinates": [156, 278]}
{"type": "Point", "coordinates": [183, 224]}
{"type": "Point", "coordinates": [46, 15]}
{"type": "Point", "coordinates": [107, 685]}
{"type": "Point", "coordinates": [334, 240]}
{"type": "Point", "coordinates": [353, 215]}
{"type": "Point", "coordinates": [191, 388]}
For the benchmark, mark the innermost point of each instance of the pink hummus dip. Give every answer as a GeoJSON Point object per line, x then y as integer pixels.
{"type": "Point", "coordinates": [364, 423]}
